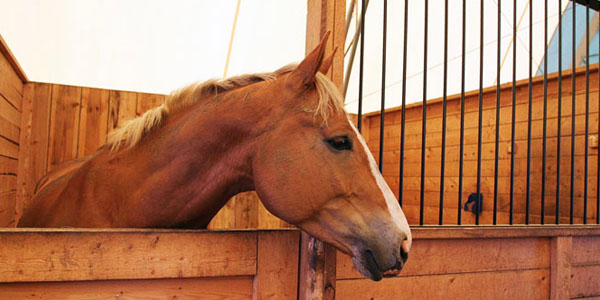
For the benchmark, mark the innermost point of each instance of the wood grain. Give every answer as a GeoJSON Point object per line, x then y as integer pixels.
{"type": "Point", "coordinates": [93, 123]}
{"type": "Point", "coordinates": [11, 86]}
{"type": "Point", "coordinates": [584, 281]}
{"type": "Point", "coordinates": [64, 125]}
{"type": "Point", "coordinates": [122, 107]}
{"type": "Point", "coordinates": [97, 255]}
{"type": "Point", "coordinates": [184, 288]}
{"type": "Point", "coordinates": [33, 156]}
{"type": "Point", "coordinates": [520, 284]}
{"type": "Point", "coordinates": [277, 273]}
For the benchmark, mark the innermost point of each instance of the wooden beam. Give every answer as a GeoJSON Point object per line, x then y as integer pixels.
{"type": "Point", "coordinates": [277, 267]}
{"type": "Point", "coordinates": [560, 268]}
{"type": "Point", "coordinates": [30, 255]}
{"type": "Point", "coordinates": [317, 260]}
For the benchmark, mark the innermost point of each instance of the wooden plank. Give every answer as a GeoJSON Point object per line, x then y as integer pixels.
{"type": "Point", "coordinates": [7, 208]}
{"type": "Point", "coordinates": [9, 112]}
{"type": "Point", "coordinates": [8, 166]}
{"type": "Point", "coordinates": [11, 86]}
{"type": "Point", "coordinates": [277, 273]}
{"type": "Point", "coordinates": [516, 231]}
{"type": "Point", "coordinates": [246, 210]}
{"type": "Point", "coordinates": [585, 281]}
{"type": "Point", "coordinates": [10, 131]}
{"type": "Point", "coordinates": [97, 255]}
{"type": "Point", "coordinates": [122, 107]}
{"type": "Point", "coordinates": [560, 267]}
{"type": "Point", "coordinates": [146, 102]}
{"type": "Point", "coordinates": [34, 140]}
{"type": "Point", "coordinates": [8, 148]}
{"type": "Point", "coordinates": [521, 284]}
{"type": "Point", "coordinates": [445, 256]}
{"type": "Point", "coordinates": [93, 123]}
{"type": "Point", "coordinates": [586, 250]}
{"type": "Point", "coordinates": [64, 125]}
{"type": "Point", "coordinates": [183, 288]}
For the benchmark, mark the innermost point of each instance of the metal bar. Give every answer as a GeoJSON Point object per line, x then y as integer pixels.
{"type": "Point", "coordinates": [587, 109]}
{"type": "Point", "coordinates": [480, 110]}
{"type": "Point", "coordinates": [514, 108]}
{"type": "Point", "coordinates": [383, 65]}
{"type": "Point", "coordinates": [545, 116]}
{"type": "Point", "coordinates": [444, 96]}
{"type": "Point", "coordinates": [362, 63]}
{"type": "Point", "coordinates": [573, 87]}
{"type": "Point", "coordinates": [424, 120]}
{"type": "Point", "coordinates": [559, 114]}
{"type": "Point", "coordinates": [403, 122]}
{"type": "Point", "coordinates": [462, 115]}
{"type": "Point", "coordinates": [497, 140]}
{"type": "Point", "coordinates": [530, 85]}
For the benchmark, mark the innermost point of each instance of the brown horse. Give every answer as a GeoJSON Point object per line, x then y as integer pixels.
{"type": "Point", "coordinates": [284, 134]}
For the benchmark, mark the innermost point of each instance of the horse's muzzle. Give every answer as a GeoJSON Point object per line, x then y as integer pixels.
{"type": "Point", "coordinates": [378, 272]}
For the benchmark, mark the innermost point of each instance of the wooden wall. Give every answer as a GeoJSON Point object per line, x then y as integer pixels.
{"type": "Point", "coordinates": [487, 263]}
{"type": "Point", "coordinates": [65, 122]}
{"type": "Point", "coordinates": [412, 158]}
{"type": "Point", "coordinates": [12, 80]}
{"type": "Point", "coordinates": [148, 264]}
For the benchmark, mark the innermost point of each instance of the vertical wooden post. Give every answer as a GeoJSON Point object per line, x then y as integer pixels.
{"type": "Point", "coordinates": [317, 259]}
{"type": "Point", "coordinates": [560, 268]}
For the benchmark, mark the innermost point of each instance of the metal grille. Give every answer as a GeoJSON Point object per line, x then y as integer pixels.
{"type": "Point", "coordinates": [537, 181]}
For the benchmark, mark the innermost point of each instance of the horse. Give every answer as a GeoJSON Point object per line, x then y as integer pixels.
{"type": "Point", "coordinates": [284, 134]}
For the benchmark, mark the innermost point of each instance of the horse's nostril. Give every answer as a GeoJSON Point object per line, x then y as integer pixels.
{"type": "Point", "coordinates": [404, 255]}
{"type": "Point", "coordinates": [404, 251]}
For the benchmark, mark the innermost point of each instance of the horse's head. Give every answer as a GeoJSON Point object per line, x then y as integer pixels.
{"type": "Point", "coordinates": [314, 170]}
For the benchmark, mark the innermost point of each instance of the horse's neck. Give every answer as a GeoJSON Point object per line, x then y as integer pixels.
{"type": "Point", "coordinates": [191, 166]}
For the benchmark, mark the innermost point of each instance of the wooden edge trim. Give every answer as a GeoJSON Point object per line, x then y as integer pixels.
{"type": "Point", "coordinates": [419, 232]}
{"type": "Point", "coordinates": [566, 74]}
{"type": "Point", "coordinates": [12, 60]}
{"type": "Point", "coordinates": [473, 232]}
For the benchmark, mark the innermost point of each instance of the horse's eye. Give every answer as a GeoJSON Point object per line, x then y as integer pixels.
{"type": "Point", "coordinates": [340, 143]}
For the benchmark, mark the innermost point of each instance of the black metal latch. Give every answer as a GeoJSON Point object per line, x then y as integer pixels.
{"type": "Point", "coordinates": [473, 205]}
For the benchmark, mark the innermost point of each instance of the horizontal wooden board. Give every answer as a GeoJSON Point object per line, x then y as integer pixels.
{"type": "Point", "coordinates": [8, 166]}
{"type": "Point", "coordinates": [8, 148]}
{"type": "Point", "coordinates": [10, 131]}
{"type": "Point", "coordinates": [96, 255]}
{"type": "Point", "coordinates": [431, 257]}
{"type": "Point", "coordinates": [9, 112]}
{"type": "Point", "coordinates": [184, 288]}
{"type": "Point", "coordinates": [11, 86]}
{"type": "Point", "coordinates": [586, 251]}
{"type": "Point", "coordinates": [521, 284]}
{"type": "Point", "coordinates": [585, 281]}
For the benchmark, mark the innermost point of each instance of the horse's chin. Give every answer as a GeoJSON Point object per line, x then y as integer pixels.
{"type": "Point", "coordinates": [367, 267]}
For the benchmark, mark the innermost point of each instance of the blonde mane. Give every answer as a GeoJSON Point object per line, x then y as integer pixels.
{"type": "Point", "coordinates": [130, 134]}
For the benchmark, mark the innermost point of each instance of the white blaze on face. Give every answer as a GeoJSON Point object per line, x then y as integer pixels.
{"type": "Point", "coordinates": [392, 203]}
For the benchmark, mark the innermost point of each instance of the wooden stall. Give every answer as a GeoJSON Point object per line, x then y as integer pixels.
{"type": "Point", "coordinates": [143, 264]}
{"type": "Point", "coordinates": [412, 157]}
{"type": "Point", "coordinates": [43, 124]}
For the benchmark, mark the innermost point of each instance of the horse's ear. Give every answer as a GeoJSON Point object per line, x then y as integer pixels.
{"type": "Point", "coordinates": [304, 74]}
{"type": "Point", "coordinates": [327, 62]}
